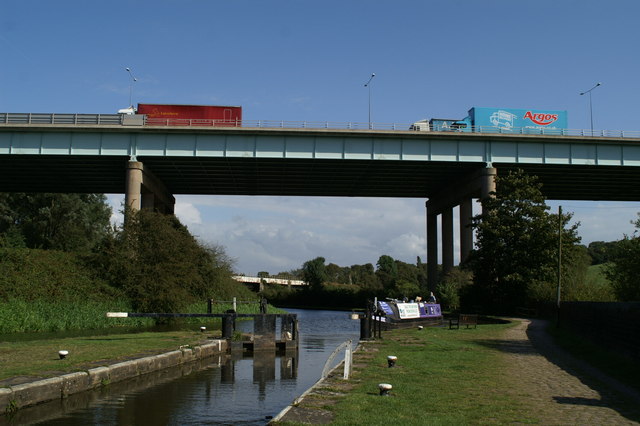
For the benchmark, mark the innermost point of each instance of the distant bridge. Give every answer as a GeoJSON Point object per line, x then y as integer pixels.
{"type": "Point", "coordinates": [258, 280]}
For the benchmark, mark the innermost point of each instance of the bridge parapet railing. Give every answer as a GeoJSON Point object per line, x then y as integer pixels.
{"type": "Point", "coordinates": [122, 119]}
{"type": "Point", "coordinates": [334, 125]}
{"type": "Point", "coordinates": [63, 119]}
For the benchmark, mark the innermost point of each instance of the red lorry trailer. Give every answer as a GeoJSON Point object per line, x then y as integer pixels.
{"type": "Point", "coordinates": [191, 115]}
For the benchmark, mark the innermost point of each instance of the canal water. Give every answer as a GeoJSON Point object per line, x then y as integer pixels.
{"type": "Point", "coordinates": [221, 390]}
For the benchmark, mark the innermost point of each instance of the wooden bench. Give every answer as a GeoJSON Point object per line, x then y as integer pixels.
{"type": "Point", "coordinates": [463, 319]}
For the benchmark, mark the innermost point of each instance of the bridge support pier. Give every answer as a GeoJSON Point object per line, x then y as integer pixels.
{"type": "Point", "coordinates": [466, 232]}
{"type": "Point", "coordinates": [447, 240]}
{"type": "Point", "coordinates": [145, 191]}
{"type": "Point", "coordinates": [477, 185]}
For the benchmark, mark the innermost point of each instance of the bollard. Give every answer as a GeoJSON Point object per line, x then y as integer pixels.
{"type": "Point", "coordinates": [228, 325]}
{"type": "Point", "coordinates": [365, 327]}
{"type": "Point", "coordinates": [391, 360]}
{"type": "Point", "coordinates": [209, 306]}
{"type": "Point", "coordinates": [384, 389]}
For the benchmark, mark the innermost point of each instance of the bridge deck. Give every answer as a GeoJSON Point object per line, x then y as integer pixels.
{"type": "Point", "coordinates": [355, 163]}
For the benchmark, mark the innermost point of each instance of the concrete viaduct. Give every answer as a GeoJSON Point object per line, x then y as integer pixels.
{"type": "Point", "coordinates": [115, 154]}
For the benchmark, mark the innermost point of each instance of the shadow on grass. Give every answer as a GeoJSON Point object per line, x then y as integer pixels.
{"type": "Point", "coordinates": [114, 339]}
{"type": "Point", "coordinates": [522, 347]}
{"type": "Point", "coordinates": [577, 400]}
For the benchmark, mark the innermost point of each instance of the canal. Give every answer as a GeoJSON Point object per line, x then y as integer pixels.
{"type": "Point", "coordinates": [221, 390]}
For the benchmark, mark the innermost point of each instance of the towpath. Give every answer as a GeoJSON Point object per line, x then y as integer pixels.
{"type": "Point", "coordinates": [558, 388]}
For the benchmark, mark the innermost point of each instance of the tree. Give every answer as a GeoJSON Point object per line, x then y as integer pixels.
{"type": "Point", "coordinates": [516, 243]}
{"type": "Point", "coordinates": [161, 266]}
{"type": "Point", "coordinates": [365, 277]}
{"type": "Point", "coordinates": [69, 222]}
{"type": "Point", "coordinates": [334, 273]}
{"type": "Point", "coordinates": [601, 252]}
{"type": "Point", "coordinates": [422, 274]}
{"type": "Point", "coordinates": [387, 273]}
{"type": "Point", "coordinates": [315, 272]}
{"type": "Point", "coordinates": [407, 280]}
{"type": "Point", "coordinates": [452, 286]}
{"type": "Point", "coordinates": [624, 270]}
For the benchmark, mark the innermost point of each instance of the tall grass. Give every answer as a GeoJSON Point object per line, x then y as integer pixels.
{"type": "Point", "coordinates": [18, 316]}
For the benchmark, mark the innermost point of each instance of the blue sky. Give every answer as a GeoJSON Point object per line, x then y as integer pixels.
{"type": "Point", "coordinates": [302, 60]}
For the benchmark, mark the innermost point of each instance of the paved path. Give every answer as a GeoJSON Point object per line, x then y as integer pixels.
{"type": "Point", "coordinates": [559, 388]}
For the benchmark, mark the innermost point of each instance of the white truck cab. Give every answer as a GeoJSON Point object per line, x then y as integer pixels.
{"type": "Point", "coordinates": [420, 126]}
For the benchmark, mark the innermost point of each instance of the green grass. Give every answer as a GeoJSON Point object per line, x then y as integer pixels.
{"type": "Point", "coordinates": [19, 316]}
{"type": "Point", "coordinates": [39, 358]}
{"type": "Point", "coordinates": [595, 275]}
{"type": "Point", "coordinates": [443, 377]}
{"type": "Point", "coordinates": [32, 355]}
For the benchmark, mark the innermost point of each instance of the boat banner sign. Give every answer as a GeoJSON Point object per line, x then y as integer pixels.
{"type": "Point", "coordinates": [408, 310]}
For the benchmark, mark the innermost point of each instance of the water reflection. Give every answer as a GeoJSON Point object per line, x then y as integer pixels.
{"type": "Point", "coordinates": [229, 389]}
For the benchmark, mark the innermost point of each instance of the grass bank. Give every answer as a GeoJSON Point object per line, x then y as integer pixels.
{"type": "Point", "coordinates": [442, 377]}
{"type": "Point", "coordinates": [35, 359]}
{"type": "Point", "coordinates": [453, 375]}
{"type": "Point", "coordinates": [50, 291]}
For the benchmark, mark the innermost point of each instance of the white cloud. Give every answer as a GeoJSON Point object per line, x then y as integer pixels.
{"type": "Point", "coordinates": [115, 201]}
{"type": "Point", "coordinates": [188, 214]}
{"type": "Point", "coordinates": [281, 233]}
{"type": "Point", "coordinates": [277, 234]}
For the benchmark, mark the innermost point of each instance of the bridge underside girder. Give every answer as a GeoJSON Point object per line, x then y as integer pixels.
{"type": "Point", "coordinates": [305, 177]}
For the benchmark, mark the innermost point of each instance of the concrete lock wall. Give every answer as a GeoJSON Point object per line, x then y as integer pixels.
{"type": "Point", "coordinates": [24, 395]}
{"type": "Point", "coordinates": [611, 325]}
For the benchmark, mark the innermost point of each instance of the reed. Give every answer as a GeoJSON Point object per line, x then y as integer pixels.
{"type": "Point", "coordinates": [19, 316]}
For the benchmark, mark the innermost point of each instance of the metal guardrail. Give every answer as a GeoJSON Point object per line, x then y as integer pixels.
{"type": "Point", "coordinates": [348, 360]}
{"type": "Point", "coordinates": [119, 119]}
{"type": "Point", "coordinates": [65, 119]}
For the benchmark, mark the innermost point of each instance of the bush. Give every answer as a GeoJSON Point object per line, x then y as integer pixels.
{"type": "Point", "coordinates": [161, 267]}
{"type": "Point", "coordinates": [30, 275]}
{"type": "Point", "coordinates": [450, 288]}
{"type": "Point", "coordinates": [624, 270]}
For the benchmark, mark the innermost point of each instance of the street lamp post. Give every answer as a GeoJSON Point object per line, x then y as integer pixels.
{"type": "Point", "coordinates": [133, 80]}
{"type": "Point", "coordinates": [590, 104]}
{"type": "Point", "coordinates": [368, 85]}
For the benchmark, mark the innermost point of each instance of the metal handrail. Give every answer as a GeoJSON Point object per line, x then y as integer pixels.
{"type": "Point", "coordinates": [118, 119]}
{"type": "Point", "coordinates": [318, 125]}
{"type": "Point", "coordinates": [60, 119]}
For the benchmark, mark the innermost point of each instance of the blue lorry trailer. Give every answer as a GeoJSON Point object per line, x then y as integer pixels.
{"type": "Point", "coordinates": [500, 120]}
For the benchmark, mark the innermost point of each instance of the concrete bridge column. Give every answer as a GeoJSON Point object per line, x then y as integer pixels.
{"type": "Point", "coordinates": [447, 240]}
{"type": "Point", "coordinates": [477, 184]}
{"type": "Point", "coordinates": [133, 194]}
{"type": "Point", "coordinates": [466, 232]}
{"type": "Point", "coordinates": [488, 181]}
{"type": "Point", "coordinates": [432, 249]}
{"type": "Point", "coordinates": [145, 191]}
